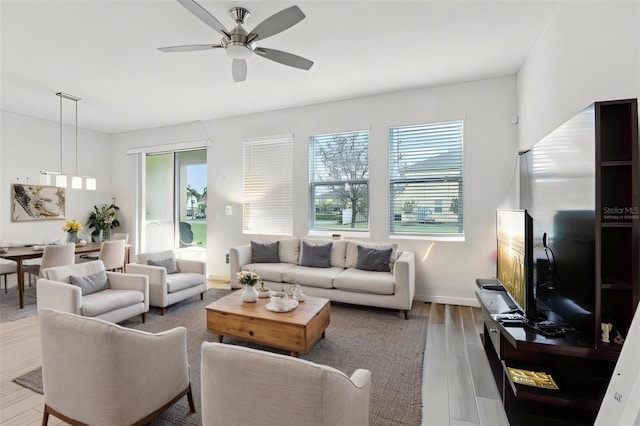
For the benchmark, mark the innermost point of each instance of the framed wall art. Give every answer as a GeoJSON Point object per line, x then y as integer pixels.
{"type": "Point", "coordinates": [36, 202]}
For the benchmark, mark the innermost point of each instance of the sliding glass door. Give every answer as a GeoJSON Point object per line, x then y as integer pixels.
{"type": "Point", "coordinates": [175, 201]}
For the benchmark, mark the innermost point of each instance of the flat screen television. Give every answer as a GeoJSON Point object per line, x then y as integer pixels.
{"type": "Point", "coordinates": [557, 189]}
{"type": "Point", "coordinates": [514, 231]}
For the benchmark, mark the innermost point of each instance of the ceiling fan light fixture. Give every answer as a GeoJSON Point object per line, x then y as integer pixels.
{"type": "Point", "coordinates": [238, 51]}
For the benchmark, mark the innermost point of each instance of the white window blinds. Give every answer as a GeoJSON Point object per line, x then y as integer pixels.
{"type": "Point", "coordinates": [339, 181]}
{"type": "Point", "coordinates": [425, 177]}
{"type": "Point", "coordinates": [267, 186]}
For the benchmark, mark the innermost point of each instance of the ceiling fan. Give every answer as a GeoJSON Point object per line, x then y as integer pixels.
{"type": "Point", "coordinates": [240, 44]}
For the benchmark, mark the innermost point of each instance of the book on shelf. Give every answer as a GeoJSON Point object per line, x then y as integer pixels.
{"type": "Point", "coordinates": [538, 379]}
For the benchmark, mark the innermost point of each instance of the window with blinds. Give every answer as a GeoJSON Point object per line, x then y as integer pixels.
{"type": "Point", "coordinates": [267, 186]}
{"type": "Point", "coordinates": [339, 181]}
{"type": "Point", "coordinates": [425, 178]}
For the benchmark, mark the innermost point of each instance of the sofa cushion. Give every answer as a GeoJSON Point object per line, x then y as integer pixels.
{"type": "Point", "coordinates": [311, 276]}
{"type": "Point", "coordinates": [289, 250]}
{"type": "Point", "coordinates": [177, 282]}
{"type": "Point", "coordinates": [360, 281]}
{"type": "Point", "coordinates": [109, 300]}
{"type": "Point", "coordinates": [338, 253]}
{"type": "Point", "coordinates": [317, 255]}
{"type": "Point", "coordinates": [265, 252]}
{"type": "Point", "coordinates": [90, 283]}
{"type": "Point", "coordinates": [169, 264]}
{"type": "Point", "coordinates": [268, 271]}
{"type": "Point", "coordinates": [351, 259]}
{"type": "Point", "coordinates": [63, 273]}
{"type": "Point", "coordinates": [371, 259]}
{"type": "Point", "coordinates": [160, 255]}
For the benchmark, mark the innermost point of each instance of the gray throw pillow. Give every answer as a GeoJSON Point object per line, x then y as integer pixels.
{"type": "Point", "coordinates": [90, 283]}
{"type": "Point", "coordinates": [265, 252]}
{"type": "Point", "coordinates": [316, 255]}
{"type": "Point", "coordinates": [169, 264]}
{"type": "Point", "coordinates": [371, 259]}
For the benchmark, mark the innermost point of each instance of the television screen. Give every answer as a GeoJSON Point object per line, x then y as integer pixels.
{"type": "Point", "coordinates": [513, 229]}
{"type": "Point", "coordinates": [557, 188]}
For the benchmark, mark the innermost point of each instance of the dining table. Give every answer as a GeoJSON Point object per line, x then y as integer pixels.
{"type": "Point", "coordinates": [19, 254]}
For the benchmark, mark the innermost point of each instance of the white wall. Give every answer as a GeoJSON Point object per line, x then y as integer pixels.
{"type": "Point", "coordinates": [29, 145]}
{"type": "Point", "coordinates": [447, 274]}
{"type": "Point", "coordinates": [588, 52]}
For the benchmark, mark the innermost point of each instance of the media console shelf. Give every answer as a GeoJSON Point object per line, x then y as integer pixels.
{"type": "Point", "coordinates": [581, 371]}
{"type": "Point", "coordinates": [617, 242]}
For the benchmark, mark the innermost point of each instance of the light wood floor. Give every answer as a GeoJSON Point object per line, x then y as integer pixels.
{"type": "Point", "coordinates": [458, 388]}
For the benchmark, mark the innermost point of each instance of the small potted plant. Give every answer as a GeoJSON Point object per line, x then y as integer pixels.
{"type": "Point", "coordinates": [102, 220]}
{"type": "Point", "coordinates": [72, 227]}
{"type": "Point", "coordinates": [248, 280]}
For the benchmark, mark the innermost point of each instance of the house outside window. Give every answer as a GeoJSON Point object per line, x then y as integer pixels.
{"type": "Point", "coordinates": [339, 181]}
{"type": "Point", "coordinates": [438, 206]}
{"type": "Point", "coordinates": [425, 179]}
{"type": "Point", "coordinates": [268, 186]}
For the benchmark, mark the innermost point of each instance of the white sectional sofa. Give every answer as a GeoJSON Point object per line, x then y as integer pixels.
{"type": "Point", "coordinates": [354, 271]}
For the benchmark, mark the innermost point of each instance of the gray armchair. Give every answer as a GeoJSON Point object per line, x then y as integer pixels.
{"type": "Point", "coordinates": [281, 390]}
{"type": "Point", "coordinates": [98, 373]}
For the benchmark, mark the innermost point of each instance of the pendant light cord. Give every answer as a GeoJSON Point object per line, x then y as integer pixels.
{"type": "Point", "coordinates": [60, 133]}
{"type": "Point", "coordinates": [76, 138]}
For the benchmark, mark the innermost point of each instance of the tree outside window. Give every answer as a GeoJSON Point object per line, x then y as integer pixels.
{"type": "Point", "coordinates": [339, 181]}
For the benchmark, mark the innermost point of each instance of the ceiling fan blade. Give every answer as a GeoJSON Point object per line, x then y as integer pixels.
{"type": "Point", "coordinates": [285, 58]}
{"type": "Point", "coordinates": [279, 22]}
{"type": "Point", "coordinates": [202, 14]}
{"type": "Point", "coordinates": [239, 70]}
{"type": "Point", "coordinates": [189, 48]}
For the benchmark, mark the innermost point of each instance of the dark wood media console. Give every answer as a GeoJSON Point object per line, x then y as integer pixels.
{"type": "Point", "coordinates": [581, 371]}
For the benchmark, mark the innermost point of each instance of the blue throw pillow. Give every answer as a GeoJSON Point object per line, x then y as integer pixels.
{"type": "Point", "coordinates": [90, 283]}
{"type": "Point", "coordinates": [371, 259]}
{"type": "Point", "coordinates": [265, 252]}
{"type": "Point", "coordinates": [316, 255]}
{"type": "Point", "coordinates": [169, 264]}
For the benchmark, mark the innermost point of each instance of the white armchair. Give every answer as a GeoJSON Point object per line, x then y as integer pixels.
{"type": "Point", "coordinates": [281, 390]}
{"type": "Point", "coordinates": [125, 295]}
{"type": "Point", "coordinates": [182, 279]}
{"type": "Point", "coordinates": [98, 373]}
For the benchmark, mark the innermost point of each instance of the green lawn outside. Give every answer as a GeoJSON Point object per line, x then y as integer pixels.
{"type": "Point", "coordinates": [199, 229]}
{"type": "Point", "coordinates": [406, 228]}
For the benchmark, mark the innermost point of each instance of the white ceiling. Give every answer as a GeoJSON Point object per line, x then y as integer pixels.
{"type": "Point", "coordinates": [105, 53]}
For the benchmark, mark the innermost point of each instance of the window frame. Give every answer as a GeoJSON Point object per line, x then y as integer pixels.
{"type": "Point", "coordinates": [267, 170]}
{"type": "Point", "coordinates": [442, 173]}
{"type": "Point", "coordinates": [314, 184]}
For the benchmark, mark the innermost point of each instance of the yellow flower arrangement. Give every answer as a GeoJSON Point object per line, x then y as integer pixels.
{"type": "Point", "coordinates": [72, 226]}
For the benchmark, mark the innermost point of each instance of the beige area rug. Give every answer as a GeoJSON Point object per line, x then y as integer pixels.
{"type": "Point", "coordinates": [379, 340]}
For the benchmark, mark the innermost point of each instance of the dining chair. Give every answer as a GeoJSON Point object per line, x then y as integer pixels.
{"type": "Point", "coordinates": [7, 267]}
{"type": "Point", "coordinates": [112, 254]}
{"type": "Point", "coordinates": [114, 237]}
{"type": "Point", "coordinates": [120, 236]}
{"type": "Point", "coordinates": [53, 255]}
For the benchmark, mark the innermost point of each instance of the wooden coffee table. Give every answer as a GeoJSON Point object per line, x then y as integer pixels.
{"type": "Point", "coordinates": [295, 331]}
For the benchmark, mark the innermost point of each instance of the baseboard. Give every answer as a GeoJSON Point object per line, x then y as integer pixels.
{"type": "Point", "coordinates": [446, 300]}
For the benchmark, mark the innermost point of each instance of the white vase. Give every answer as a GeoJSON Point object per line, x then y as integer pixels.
{"type": "Point", "coordinates": [249, 294]}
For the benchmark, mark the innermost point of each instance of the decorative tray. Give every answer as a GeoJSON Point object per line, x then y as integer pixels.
{"type": "Point", "coordinates": [291, 305]}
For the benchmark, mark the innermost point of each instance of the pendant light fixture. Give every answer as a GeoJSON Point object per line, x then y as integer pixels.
{"type": "Point", "coordinates": [61, 178]}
